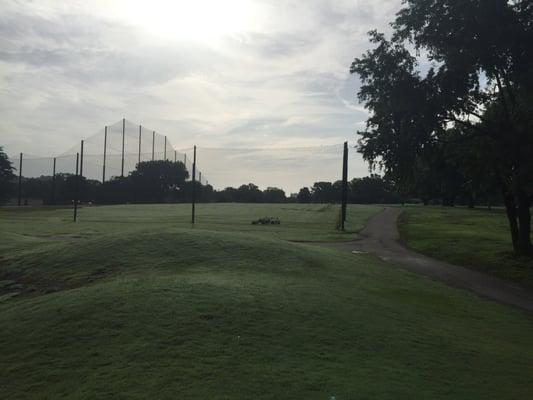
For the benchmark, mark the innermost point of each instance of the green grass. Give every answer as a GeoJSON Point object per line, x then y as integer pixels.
{"type": "Point", "coordinates": [310, 222]}
{"type": "Point", "coordinates": [478, 239]}
{"type": "Point", "coordinates": [124, 305]}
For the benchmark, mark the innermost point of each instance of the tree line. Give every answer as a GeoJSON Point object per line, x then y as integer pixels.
{"type": "Point", "coordinates": [168, 182]}
{"type": "Point", "coordinates": [450, 97]}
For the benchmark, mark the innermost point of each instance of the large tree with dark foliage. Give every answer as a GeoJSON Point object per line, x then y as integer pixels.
{"type": "Point", "coordinates": [155, 181]}
{"type": "Point", "coordinates": [480, 84]}
{"type": "Point", "coordinates": [304, 195]}
{"type": "Point", "coordinates": [6, 177]}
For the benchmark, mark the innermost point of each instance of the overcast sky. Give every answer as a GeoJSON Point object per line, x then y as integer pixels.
{"type": "Point", "coordinates": [214, 73]}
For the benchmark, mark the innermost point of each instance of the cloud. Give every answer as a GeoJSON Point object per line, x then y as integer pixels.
{"type": "Point", "coordinates": [67, 69]}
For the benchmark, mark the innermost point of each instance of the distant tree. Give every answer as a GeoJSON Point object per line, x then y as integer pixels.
{"type": "Point", "coordinates": [372, 189]}
{"type": "Point", "coordinates": [323, 192]}
{"type": "Point", "coordinates": [249, 193]}
{"type": "Point", "coordinates": [227, 195]}
{"type": "Point", "coordinates": [116, 190]}
{"type": "Point", "coordinates": [274, 195]}
{"type": "Point", "coordinates": [157, 181]}
{"type": "Point", "coordinates": [304, 195]}
{"type": "Point", "coordinates": [6, 177]}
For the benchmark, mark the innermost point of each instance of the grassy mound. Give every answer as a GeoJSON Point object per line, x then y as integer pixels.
{"type": "Point", "coordinates": [215, 315]}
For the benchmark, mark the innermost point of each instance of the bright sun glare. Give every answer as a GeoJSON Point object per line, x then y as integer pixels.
{"type": "Point", "coordinates": [202, 20]}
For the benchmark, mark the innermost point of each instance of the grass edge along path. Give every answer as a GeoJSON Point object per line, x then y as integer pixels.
{"type": "Point", "coordinates": [477, 239]}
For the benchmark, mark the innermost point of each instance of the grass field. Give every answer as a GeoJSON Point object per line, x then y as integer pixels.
{"type": "Point", "coordinates": [479, 239]}
{"type": "Point", "coordinates": [132, 303]}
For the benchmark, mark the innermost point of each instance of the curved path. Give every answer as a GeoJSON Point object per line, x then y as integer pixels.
{"type": "Point", "coordinates": [381, 238]}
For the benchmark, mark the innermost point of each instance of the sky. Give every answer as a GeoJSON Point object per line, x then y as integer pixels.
{"type": "Point", "coordinates": [218, 74]}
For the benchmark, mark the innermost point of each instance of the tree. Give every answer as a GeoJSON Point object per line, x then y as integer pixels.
{"type": "Point", "coordinates": [304, 195]}
{"type": "Point", "coordinates": [249, 193]}
{"type": "Point", "coordinates": [480, 85]}
{"type": "Point", "coordinates": [274, 195]}
{"type": "Point", "coordinates": [323, 192]}
{"type": "Point", "coordinates": [6, 177]}
{"type": "Point", "coordinates": [371, 190]}
{"type": "Point", "coordinates": [157, 181]}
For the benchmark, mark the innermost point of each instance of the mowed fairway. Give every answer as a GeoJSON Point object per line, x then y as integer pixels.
{"type": "Point", "coordinates": [133, 303]}
{"type": "Point", "coordinates": [478, 239]}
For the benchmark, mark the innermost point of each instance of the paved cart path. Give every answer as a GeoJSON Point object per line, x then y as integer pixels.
{"type": "Point", "coordinates": [381, 238]}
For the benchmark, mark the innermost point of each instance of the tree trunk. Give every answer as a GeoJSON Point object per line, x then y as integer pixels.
{"type": "Point", "coordinates": [519, 216]}
{"type": "Point", "coordinates": [510, 209]}
{"type": "Point", "coordinates": [524, 223]}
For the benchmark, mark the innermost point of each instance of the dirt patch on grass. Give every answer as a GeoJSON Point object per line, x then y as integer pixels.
{"type": "Point", "coordinates": [35, 283]}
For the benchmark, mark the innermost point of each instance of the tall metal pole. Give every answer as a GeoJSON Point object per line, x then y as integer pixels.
{"type": "Point", "coordinates": [175, 155]}
{"type": "Point", "coordinates": [81, 159]}
{"type": "Point", "coordinates": [194, 185]}
{"type": "Point", "coordinates": [20, 181]}
{"type": "Point", "coordinates": [140, 133]}
{"type": "Point", "coordinates": [76, 188]}
{"type": "Point", "coordinates": [165, 151]}
{"type": "Point", "coordinates": [105, 153]}
{"type": "Point", "coordinates": [123, 137]}
{"type": "Point", "coordinates": [53, 198]}
{"type": "Point", "coordinates": [344, 184]}
{"type": "Point", "coordinates": [153, 144]}
{"type": "Point", "coordinates": [185, 160]}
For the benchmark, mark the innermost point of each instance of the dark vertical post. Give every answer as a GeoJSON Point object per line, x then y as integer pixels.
{"type": "Point", "coordinates": [140, 132]}
{"type": "Point", "coordinates": [20, 181]}
{"type": "Point", "coordinates": [165, 151]}
{"type": "Point", "coordinates": [344, 184]}
{"type": "Point", "coordinates": [153, 144]}
{"type": "Point", "coordinates": [105, 154]}
{"type": "Point", "coordinates": [175, 156]}
{"type": "Point", "coordinates": [76, 188]}
{"type": "Point", "coordinates": [81, 169]}
{"type": "Point", "coordinates": [123, 137]}
{"type": "Point", "coordinates": [53, 197]}
{"type": "Point", "coordinates": [81, 159]}
{"type": "Point", "coordinates": [185, 160]}
{"type": "Point", "coordinates": [200, 177]}
{"type": "Point", "coordinates": [194, 185]}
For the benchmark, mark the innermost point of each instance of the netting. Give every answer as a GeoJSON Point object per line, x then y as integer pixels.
{"type": "Point", "coordinates": [111, 152]}
{"type": "Point", "coordinates": [115, 151]}
{"type": "Point", "coordinates": [286, 168]}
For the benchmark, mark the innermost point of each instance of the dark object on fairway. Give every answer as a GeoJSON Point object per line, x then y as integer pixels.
{"type": "Point", "coordinates": [267, 221]}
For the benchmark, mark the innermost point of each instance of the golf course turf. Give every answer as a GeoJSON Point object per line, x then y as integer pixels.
{"type": "Point", "coordinates": [478, 239]}
{"type": "Point", "coordinates": [131, 302]}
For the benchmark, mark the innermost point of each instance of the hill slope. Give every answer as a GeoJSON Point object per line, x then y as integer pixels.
{"type": "Point", "coordinates": [200, 314]}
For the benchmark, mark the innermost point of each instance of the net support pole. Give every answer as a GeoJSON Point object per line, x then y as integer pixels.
{"type": "Point", "coordinates": [140, 141]}
{"type": "Point", "coordinates": [123, 139]}
{"type": "Point", "coordinates": [19, 202]}
{"type": "Point", "coordinates": [153, 145]}
{"type": "Point", "coordinates": [193, 186]}
{"type": "Point", "coordinates": [76, 188]}
{"type": "Point", "coordinates": [81, 168]}
{"type": "Point", "coordinates": [105, 154]}
{"type": "Point", "coordinates": [175, 156]}
{"type": "Point", "coordinates": [81, 159]}
{"type": "Point", "coordinates": [344, 184]}
{"type": "Point", "coordinates": [165, 151]}
{"type": "Point", "coordinates": [53, 196]}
